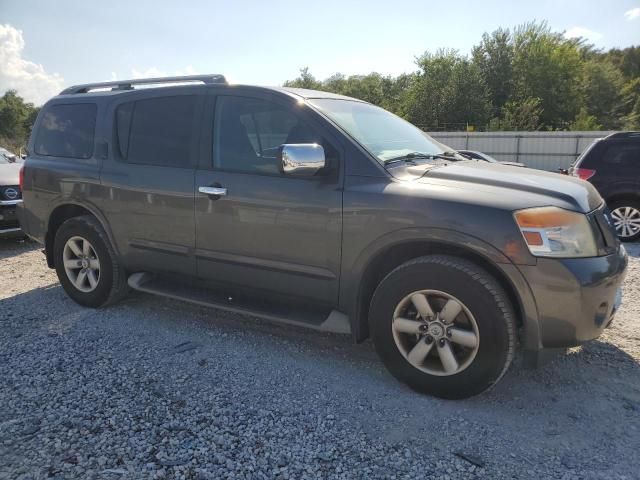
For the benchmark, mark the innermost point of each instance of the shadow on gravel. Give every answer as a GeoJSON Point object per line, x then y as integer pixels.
{"type": "Point", "coordinates": [10, 247]}
{"type": "Point", "coordinates": [24, 304]}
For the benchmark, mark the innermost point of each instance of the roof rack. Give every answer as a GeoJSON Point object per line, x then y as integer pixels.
{"type": "Point", "coordinates": [624, 135]}
{"type": "Point", "coordinates": [128, 84]}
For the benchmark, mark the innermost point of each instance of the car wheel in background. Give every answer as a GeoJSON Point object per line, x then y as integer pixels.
{"type": "Point", "coordinates": [626, 219]}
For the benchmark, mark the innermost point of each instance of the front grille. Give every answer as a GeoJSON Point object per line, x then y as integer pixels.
{"type": "Point", "coordinates": [8, 217]}
{"type": "Point", "coordinates": [10, 192]}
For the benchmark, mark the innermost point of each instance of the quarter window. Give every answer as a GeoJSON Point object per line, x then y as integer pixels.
{"type": "Point", "coordinates": [158, 131]}
{"type": "Point", "coordinates": [67, 131]}
{"type": "Point", "coordinates": [623, 154]}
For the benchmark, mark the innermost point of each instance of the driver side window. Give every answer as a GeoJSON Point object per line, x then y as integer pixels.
{"type": "Point", "coordinates": [248, 132]}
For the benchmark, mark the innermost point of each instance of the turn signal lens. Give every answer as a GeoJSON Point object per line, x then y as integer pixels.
{"type": "Point", "coordinates": [21, 178]}
{"type": "Point", "coordinates": [554, 232]}
{"type": "Point", "coordinates": [533, 238]}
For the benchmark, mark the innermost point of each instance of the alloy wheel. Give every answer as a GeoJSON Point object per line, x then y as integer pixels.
{"type": "Point", "coordinates": [626, 221]}
{"type": "Point", "coordinates": [81, 264]}
{"type": "Point", "coordinates": [435, 332]}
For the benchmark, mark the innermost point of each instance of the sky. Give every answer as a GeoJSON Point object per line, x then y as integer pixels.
{"type": "Point", "coordinates": [46, 45]}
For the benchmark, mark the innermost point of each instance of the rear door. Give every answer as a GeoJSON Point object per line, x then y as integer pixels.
{"type": "Point", "coordinates": [149, 179]}
{"type": "Point", "coordinates": [270, 232]}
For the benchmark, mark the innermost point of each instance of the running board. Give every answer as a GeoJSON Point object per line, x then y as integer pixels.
{"type": "Point", "coordinates": [335, 322]}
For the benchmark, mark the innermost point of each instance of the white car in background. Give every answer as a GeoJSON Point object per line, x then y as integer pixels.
{"type": "Point", "coordinates": [10, 194]}
{"type": "Point", "coordinates": [487, 158]}
{"type": "Point", "coordinates": [7, 156]}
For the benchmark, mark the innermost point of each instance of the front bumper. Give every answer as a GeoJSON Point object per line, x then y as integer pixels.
{"type": "Point", "coordinates": [9, 225]}
{"type": "Point", "coordinates": [576, 298]}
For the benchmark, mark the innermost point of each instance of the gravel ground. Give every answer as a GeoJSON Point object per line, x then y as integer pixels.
{"type": "Point", "coordinates": [153, 388]}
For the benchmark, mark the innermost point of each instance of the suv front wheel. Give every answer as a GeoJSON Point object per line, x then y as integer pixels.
{"type": "Point", "coordinates": [444, 326]}
{"type": "Point", "coordinates": [86, 263]}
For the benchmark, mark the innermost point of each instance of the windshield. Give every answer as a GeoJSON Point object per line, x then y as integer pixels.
{"type": "Point", "coordinates": [6, 156]}
{"type": "Point", "coordinates": [489, 158]}
{"type": "Point", "coordinates": [382, 133]}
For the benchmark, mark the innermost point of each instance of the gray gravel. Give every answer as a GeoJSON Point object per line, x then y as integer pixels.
{"type": "Point", "coordinates": [153, 388]}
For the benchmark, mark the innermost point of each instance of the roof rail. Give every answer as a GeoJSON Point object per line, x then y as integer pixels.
{"type": "Point", "coordinates": [128, 84]}
{"type": "Point", "coordinates": [623, 135]}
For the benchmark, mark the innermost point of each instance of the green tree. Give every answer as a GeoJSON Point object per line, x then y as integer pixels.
{"type": "Point", "coordinates": [585, 122]}
{"type": "Point", "coordinates": [448, 89]}
{"type": "Point", "coordinates": [16, 120]}
{"type": "Point", "coordinates": [626, 59]}
{"type": "Point", "coordinates": [335, 84]}
{"type": "Point", "coordinates": [305, 80]}
{"type": "Point", "coordinates": [519, 116]}
{"type": "Point", "coordinates": [365, 87]}
{"type": "Point", "coordinates": [494, 58]}
{"type": "Point", "coordinates": [631, 104]}
{"type": "Point", "coordinates": [527, 78]}
{"type": "Point", "coordinates": [601, 86]}
{"type": "Point", "coordinates": [547, 66]}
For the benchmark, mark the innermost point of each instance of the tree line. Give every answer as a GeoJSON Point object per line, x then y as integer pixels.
{"type": "Point", "coordinates": [527, 78]}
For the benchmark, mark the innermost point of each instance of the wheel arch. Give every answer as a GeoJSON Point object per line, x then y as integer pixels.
{"type": "Point", "coordinates": [64, 212]}
{"type": "Point", "coordinates": [622, 195]}
{"type": "Point", "coordinates": [393, 254]}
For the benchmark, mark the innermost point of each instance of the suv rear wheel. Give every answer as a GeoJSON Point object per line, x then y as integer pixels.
{"type": "Point", "coordinates": [86, 263]}
{"type": "Point", "coordinates": [626, 219]}
{"type": "Point", "coordinates": [444, 326]}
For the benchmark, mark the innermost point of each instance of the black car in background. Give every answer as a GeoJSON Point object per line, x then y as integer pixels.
{"type": "Point", "coordinates": [612, 165]}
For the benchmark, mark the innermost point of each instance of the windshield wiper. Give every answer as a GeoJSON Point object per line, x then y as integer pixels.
{"type": "Point", "coordinates": [419, 155]}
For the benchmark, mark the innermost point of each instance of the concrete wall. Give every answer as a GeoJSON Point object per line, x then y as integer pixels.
{"type": "Point", "coordinates": [543, 150]}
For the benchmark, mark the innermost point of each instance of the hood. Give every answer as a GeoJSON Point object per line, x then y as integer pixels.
{"type": "Point", "coordinates": [515, 187]}
{"type": "Point", "coordinates": [10, 173]}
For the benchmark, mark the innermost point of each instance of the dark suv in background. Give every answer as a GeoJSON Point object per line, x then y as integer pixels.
{"type": "Point", "coordinates": [612, 165]}
{"type": "Point", "coordinates": [318, 210]}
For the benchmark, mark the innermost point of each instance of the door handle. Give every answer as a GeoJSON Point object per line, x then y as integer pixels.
{"type": "Point", "coordinates": [213, 191]}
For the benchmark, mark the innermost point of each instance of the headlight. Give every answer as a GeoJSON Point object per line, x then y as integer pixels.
{"type": "Point", "coordinates": [554, 232]}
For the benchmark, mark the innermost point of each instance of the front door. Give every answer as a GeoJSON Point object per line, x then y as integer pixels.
{"type": "Point", "coordinates": [268, 232]}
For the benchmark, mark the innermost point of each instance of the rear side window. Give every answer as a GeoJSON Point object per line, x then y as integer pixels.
{"type": "Point", "coordinates": [67, 131]}
{"type": "Point", "coordinates": [623, 155]}
{"type": "Point", "coordinates": [158, 131]}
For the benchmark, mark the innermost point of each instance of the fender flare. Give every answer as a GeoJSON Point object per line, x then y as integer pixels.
{"type": "Point", "coordinates": [351, 289]}
{"type": "Point", "coordinates": [95, 211]}
{"type": "Point", "coordinates": [624, 190]}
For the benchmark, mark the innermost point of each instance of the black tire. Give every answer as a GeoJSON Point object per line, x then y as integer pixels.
{"type": "Point", "coordinates": [635, 204]}
{"type": "Point", "coordinates": [479, 292]}
{"type": "Point", "coordinates": [112, 282]}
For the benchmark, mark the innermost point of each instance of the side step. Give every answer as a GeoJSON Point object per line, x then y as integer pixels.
{"type": "Point", "coordinates": [335, 322]}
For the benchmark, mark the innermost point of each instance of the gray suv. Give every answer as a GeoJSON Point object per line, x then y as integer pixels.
{"type": "Point", "coordinates": [318, 210]}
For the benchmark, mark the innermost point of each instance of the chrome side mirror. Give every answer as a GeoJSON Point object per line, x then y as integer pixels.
{"type": "Point", "coordinates": [302, 159]}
